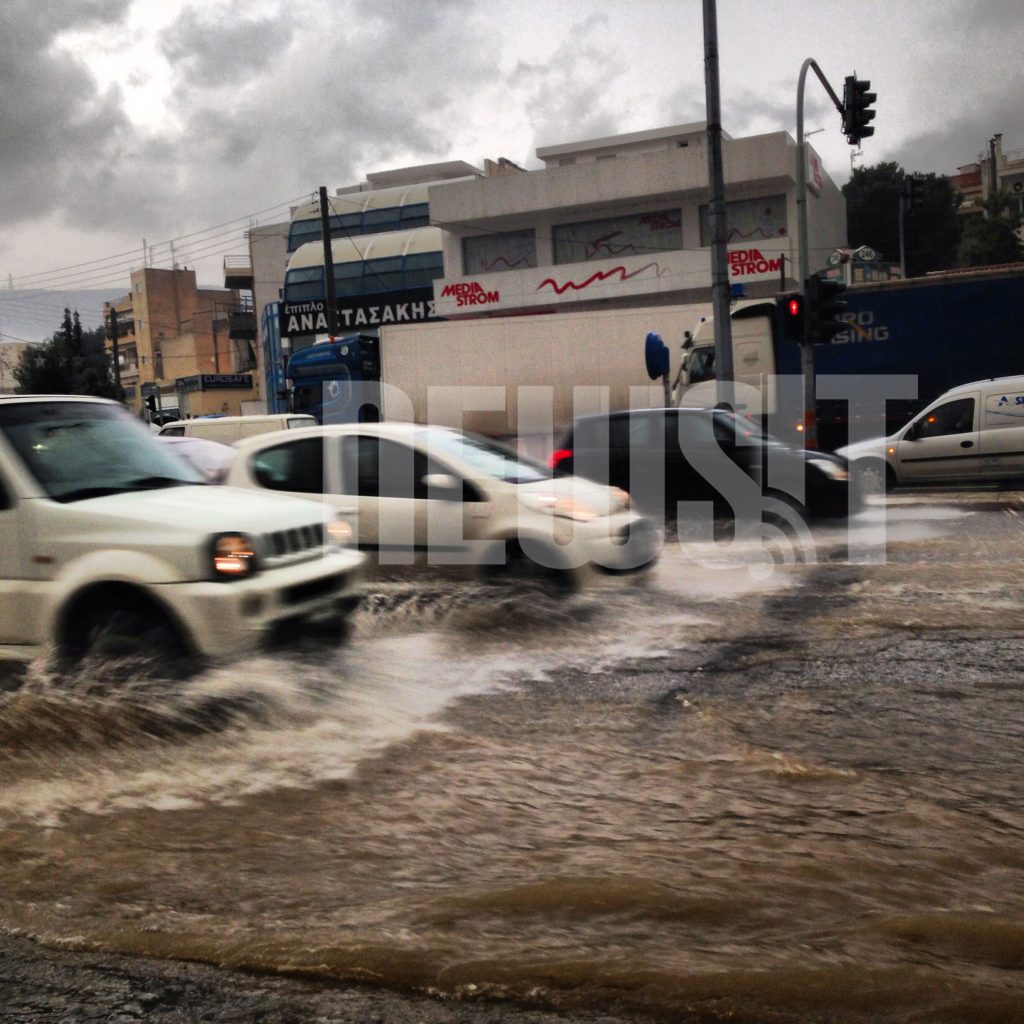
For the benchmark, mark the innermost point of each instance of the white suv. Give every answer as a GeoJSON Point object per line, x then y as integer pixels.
{"type": "Point", "coordinates": [111, 544]}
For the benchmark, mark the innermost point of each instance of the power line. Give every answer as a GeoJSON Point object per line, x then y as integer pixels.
{"type": "Point", "coordinates": [124, 257]}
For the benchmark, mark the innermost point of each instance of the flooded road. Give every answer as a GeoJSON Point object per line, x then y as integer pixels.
{"type": "Point", "coordinates": [735, 790]}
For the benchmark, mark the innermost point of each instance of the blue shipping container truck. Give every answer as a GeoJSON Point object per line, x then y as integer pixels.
{"type": "Point", "coordinates": [946, 329]}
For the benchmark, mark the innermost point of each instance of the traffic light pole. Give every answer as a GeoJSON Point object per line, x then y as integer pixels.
{"type": "Point", "coordinates": [903, 255]}
{"type": "Point", "coordinates": [804, 269]}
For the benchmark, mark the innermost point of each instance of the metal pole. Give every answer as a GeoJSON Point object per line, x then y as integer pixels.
{"type": "Point", "coordinates": [720, 294]}
{"type": "Point", "coordinates": [804, 268]}
{"type": "Point", "coordinates": [903, 256]}
{"type": "Point", "coordinates": [332, 299]}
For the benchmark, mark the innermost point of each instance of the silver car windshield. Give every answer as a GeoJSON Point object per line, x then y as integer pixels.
{"type": "Point", "coordinates": [487, 457]}
{"type": "Point", "coordinates": [80, 450]}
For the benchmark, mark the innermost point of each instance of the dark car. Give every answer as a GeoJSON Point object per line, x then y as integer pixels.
{"type": "Point", "coordinates": [664, 456]}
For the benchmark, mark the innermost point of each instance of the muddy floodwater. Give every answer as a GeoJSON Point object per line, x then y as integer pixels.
{"type": "Point", "coordinates": [736, 790]}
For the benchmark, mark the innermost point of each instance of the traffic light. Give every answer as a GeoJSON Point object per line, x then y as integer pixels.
{"type": "Point", "coordinates": [913, 192]}
{"type": "Point", "coordinates": [823, 309]}
{"type": "Point", "coordinates": [151, 403]}
{"type": "Point", "coordinates": [791, 314]}
{"type": "Point", "coordinates": [856, 115]}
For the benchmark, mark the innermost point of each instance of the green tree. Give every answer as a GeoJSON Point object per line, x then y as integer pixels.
{"type": "Point", "coordinates": [992, 238]}
{"type": "Point", "coordinates": [931, 232]}
{"type": "Point", "coordinates": [71, 361]}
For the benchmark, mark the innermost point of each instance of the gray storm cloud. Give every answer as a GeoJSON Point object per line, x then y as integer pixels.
{"type": "Point", "coordinates": [57, 125]}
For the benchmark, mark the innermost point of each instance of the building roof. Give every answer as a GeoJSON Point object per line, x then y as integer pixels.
{"type": "Point", "coordinates": [629, 140]}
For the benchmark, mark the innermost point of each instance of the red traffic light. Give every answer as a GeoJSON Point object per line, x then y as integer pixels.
{"type": "Point", "coordinates": [791, 315]}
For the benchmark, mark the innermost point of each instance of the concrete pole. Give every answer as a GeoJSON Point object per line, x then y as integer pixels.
{"type": "Point", "coordinates": [332, 299]}
{"type": "Point", "coordinates": [721, 296]}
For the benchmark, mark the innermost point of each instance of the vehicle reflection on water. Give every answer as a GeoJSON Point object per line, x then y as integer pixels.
{"type": "Point", "coordinates": [592, 801]}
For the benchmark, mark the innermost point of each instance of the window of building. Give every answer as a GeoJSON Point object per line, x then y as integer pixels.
{"type": "Point", "coordinates": [350, 223]}
{"type": "Point", "coordinates": [507, 250]}
{"type": "Point", "coordinates": [387, 274]}
{"type": "Point", "coordinates": [636, 234]}
{"type": "Point", "coordinates": [749, 220]}
{"type": "Point", "coordinates": [304, 283]}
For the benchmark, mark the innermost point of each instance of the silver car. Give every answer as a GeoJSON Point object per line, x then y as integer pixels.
{"type": "Point", "coordinates": [437, 497]}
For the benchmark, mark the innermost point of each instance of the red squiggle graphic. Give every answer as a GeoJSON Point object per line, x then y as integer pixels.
{"type": "Point", "coordinates": [601, 275]}
{"type": "Point", "coordinates": [509, 265]}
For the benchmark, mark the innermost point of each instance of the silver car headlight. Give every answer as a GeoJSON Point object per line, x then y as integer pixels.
{"type": "Point", "coordinates": [560, 505]}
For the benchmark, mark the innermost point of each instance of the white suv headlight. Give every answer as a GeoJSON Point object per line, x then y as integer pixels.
{"type": "Point", "coordinates": [233, 556]}
{"type": "Point", "coordinates": [339, 532]}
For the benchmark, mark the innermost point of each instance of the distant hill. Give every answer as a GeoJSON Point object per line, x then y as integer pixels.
{"type": "Point", "coordinates": [33, 314]}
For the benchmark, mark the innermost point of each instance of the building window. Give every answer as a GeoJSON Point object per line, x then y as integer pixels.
{"type": "Point", "coordinates": [638, 234]}
{"type": "Point", "coordinates": [489, 254]}
{"type": "Point", "coordinates": [749, 220]}
{"type": "Point", "coordinates": [359, 222]}
{"type": "Point", "coordinates": [365, 277]}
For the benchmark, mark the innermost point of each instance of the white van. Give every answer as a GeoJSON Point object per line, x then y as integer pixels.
{"type": "Point", "coordinates": [973, 433]}
{"type": "Point", "coordinates": [229, 429]}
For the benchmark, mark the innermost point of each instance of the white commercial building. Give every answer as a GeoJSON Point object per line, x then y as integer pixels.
{"type": "Point", "coordinates": [623, 221]}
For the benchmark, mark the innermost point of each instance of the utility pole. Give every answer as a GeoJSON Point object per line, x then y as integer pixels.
{"type": "Point", "coordinates": [118, 390]}
{"type": "Point", "coordinates": [332, 298]}
{"type": "Point", "coordinates": [720, 292]}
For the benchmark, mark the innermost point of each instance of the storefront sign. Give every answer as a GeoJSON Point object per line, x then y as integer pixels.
{"type": "Point", "coordinates": [414, 305]}
{"type": "Point", "coordinates": [214, 382]}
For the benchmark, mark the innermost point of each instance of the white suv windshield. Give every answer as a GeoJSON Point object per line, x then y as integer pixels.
{"type": "Point", "coordinates": [486, 457]}
{"type": "Point", "coordinates": [82, 450]}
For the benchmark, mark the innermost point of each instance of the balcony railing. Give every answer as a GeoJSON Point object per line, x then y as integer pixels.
{"type": "Point", "coordinates": [238, 272]}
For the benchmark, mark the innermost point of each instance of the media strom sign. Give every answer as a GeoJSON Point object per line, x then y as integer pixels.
{"type": "Point", "coordinates": [357, 312]}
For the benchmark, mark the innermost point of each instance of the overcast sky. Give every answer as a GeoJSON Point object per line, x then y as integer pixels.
{"type": "Point", "coordinates": [164, 119]}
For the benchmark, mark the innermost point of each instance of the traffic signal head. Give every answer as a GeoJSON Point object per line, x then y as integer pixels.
{"type": "Point", "coordinates": [791, 314]}
{"type": "Point", "coordinates": [824, 309]}
{"type": "Point", "coordinates": [856, 115]}
{"type": "Point", "coordinates": [151, 403]}
{"type": "Point", "coordinates": [913, 192]}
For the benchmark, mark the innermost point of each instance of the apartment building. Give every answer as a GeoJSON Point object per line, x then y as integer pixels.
{"type": "Point", "coordinates": [183, 345]}
{"type": "Point", "coordinates": [10, 356]}
{"type": "Point", "coordinates": [997, 171]}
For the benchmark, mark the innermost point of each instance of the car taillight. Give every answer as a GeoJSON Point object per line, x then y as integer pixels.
{"type": "Point", "coordinates": [559, 455]}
